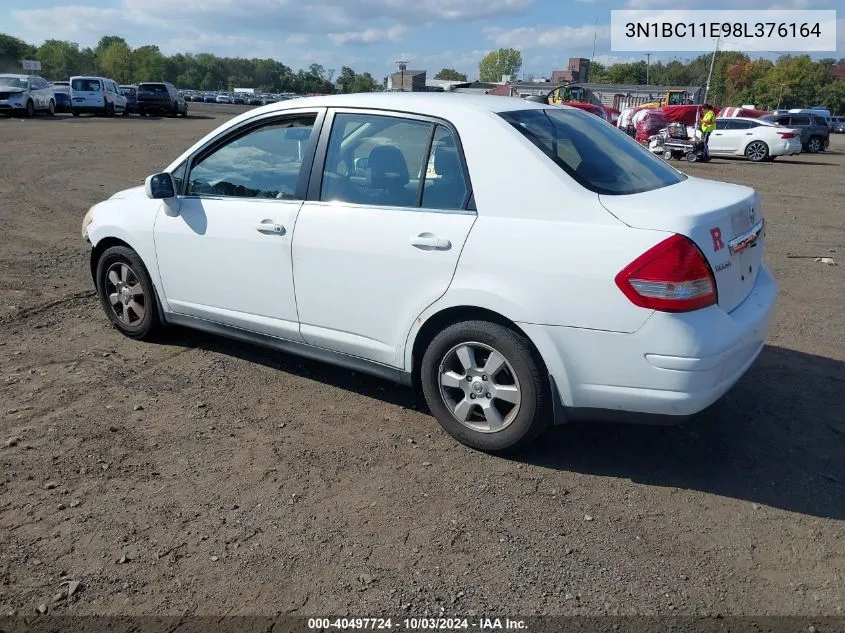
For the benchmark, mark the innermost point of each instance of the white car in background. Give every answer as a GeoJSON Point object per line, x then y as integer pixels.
{"type": "Point", "coordinates": [26, 94]}
{"type": "Point", "coordinates": [605, 282]}
{"type": "Point", "coordinates": [755, 139]}
{"type": "Point", "coordinates": [97, 95]}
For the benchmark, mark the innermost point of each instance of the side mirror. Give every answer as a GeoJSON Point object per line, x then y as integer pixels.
{"type": "Point", "coordinates": [160, 186]}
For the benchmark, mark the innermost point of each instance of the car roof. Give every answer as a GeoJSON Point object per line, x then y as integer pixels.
{"type": "Point", "coordinates": [442, 104]}
{"type": "Point", "coordinates": [14, 75]}
{"type": "Point", "coordinates": [745, 118]}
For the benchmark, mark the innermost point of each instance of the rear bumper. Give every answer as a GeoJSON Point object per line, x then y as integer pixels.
{"type": "Point", "coordinates": [87, 108]}
{"type": "Point", "coordinates": [786, 147]}
{"type": "Point", "coordinates": [675, 365]}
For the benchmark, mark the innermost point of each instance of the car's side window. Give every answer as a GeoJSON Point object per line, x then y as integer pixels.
{"type": "Point", "coordinates": [264, 162]}
{"type": "Point", "coordinates": [800, 120]}
{"type": "Point", "coordinates": [445, 182]}
{"type": "Point", "coordinates": [375, 160]}
{"type": "Point", "coordinates": [741, 125]}
{"type": "Point", "coordinates": [722, 124]}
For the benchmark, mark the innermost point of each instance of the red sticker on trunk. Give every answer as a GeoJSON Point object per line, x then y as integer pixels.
{"type": "Point", "coordinates": [716, 234]}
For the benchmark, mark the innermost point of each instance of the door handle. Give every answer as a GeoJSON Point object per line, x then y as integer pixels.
{"type": "Point", "coordinates": [268, 226]}
{"type": "Point", "coordinates": [749, 133]}
{"type": "Point", "coordinates": [430, 242]}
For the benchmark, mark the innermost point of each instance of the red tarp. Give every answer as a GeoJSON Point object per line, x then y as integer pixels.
{"type": "Point", "coordinates": [683, 113]}
{"type": "Point", "coordinates": [649, 124]}
{"type": "Point", "coordinates": [746, 112]}
{"type": "Point", "coordinates": [612, 114]}
{"type": "Point", "coordinates": [598, 110]}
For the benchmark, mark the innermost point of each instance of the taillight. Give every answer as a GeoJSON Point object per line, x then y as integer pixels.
{"type": "Point", "coordinates": [673, 276]}
{"type": "Point", "coordinates": [787, 134]}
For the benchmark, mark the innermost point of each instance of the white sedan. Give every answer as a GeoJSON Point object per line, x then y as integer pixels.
{"type": "Point", "coordinates": [755, 139]}
{"type": "Point", "coordinates": [522, 263]}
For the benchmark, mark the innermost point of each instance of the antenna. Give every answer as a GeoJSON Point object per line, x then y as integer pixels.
{"type": "Point", "coordinates": [595, 35]}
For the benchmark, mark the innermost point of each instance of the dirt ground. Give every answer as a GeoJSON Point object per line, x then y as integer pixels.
{"type": "Point", "coordinates": [198, 475]}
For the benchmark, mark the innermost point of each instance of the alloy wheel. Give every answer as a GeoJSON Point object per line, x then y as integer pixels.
{"type": "Point", "coordinates": [813, 145]}
{"type": "Point", "coordinates": [756, 151]}
{"type": "Point", "coordinates": [479, 387]}
{"type": "Point", "coordinates": [125, 294]}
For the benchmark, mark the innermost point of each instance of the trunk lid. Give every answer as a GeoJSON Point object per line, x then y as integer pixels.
{"type": "Point", "coordinates": [724, 221]}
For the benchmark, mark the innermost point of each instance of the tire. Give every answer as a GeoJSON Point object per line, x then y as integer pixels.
{"type": "Point", "coordinates": [757, 151]}
{"type": "Point", "coordinates": [667, 155]}
{"type": "Point", "coordinates": [109, 109]}
{"type": "Point", "coordinates": [51, 108]}
{"type": "Point", "coordinates": [74, 113]}
{"type": "Point", "coordinates": [30, 109]}
{"type": "Point", "coordinates": [123, 279]}
{"type": "Point", "coordinates": [520, 376]}
{"type": "Point", "coordinates": [814, 144]}
{"type": "Point", "coordinates": [691, 157]}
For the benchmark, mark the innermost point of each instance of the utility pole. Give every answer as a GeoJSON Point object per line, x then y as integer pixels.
{"type": "Point", "coordinates": [780, 94]}
{"type": "Point", "coordinates": [710, 74]}
{"type": "Point", "coordinates": [647, 66]}
{"type": "Point", "coordinates": [402, 66]}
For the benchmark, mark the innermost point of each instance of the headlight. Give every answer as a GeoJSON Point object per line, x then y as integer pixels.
{"type": "Point", "coordinates": [86, 221]}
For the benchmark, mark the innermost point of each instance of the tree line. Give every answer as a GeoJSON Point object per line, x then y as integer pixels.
{"type": "Point", "coordinates": [114, 58]}
{"type": "Point", "coordinates": [791, 81]}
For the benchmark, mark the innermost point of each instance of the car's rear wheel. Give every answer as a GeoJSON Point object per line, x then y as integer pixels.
{"type": "Point", "coordinates": [109, 109]}
{"type": "Point", "coordinates": [757, 151]}
{"type": "Point", "coordinates": [814, 144]}
{"type": "Point", "coordinates": [51, 108]}
{"type": "Point", "coordinates": [30, 109]}
{"type": "Point", "coordinates": [486, 386]}
{"type": "Point", "coordinates": [126, 292]}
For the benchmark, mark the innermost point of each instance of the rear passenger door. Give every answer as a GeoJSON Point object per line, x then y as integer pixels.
{"type": "Point", "coordinates": [379, 237]}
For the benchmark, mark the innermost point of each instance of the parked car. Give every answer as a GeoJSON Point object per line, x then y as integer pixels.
{"type": "Point", "coordinates": [254, 100]}
{"type": "Point", "coordinates": [97, 95]}
{"type": "Point", "coordinates": [61, 93]}
{"type": "Point", "coordinates": [160, 98]}
{"type": "Point", "coordinates": [815, 133]}
{"type": "Point", "coordinates": [755, 139]}
{"type": "Point", "coordinates": [641, 290]}
{"type": "Point", "coordinates": [209, 97]}
{"type": "Point", "coordinates": [131, 94]}
{"type": "Point", "coordinates": [239, 98]}
{"type": "Point", "coordinates": [838, 124]}
{"type": "Point", "coordinates": [26, 94]}
{"type": "Point", "coordinates": [268, 99]}
{"type": "Point", "coordinates": [224, 98]}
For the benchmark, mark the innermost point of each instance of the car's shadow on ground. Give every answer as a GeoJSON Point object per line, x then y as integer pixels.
{"type": "Point", "coordinates": [777, 438]}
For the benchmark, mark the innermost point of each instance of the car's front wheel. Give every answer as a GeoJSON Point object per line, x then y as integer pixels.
{"type": "Point", "coordinates": [51, 108]}
{"type": "Point", "coordinates": [814, 144]}
{"type": "Point", "coordinates": [757, 151]}
{"type": "Point", "coordinates": [30, 109]}
{"type": "Point", "coordinates": [486, 386]}
{"type": "Point", "coordinates": [126, 292]}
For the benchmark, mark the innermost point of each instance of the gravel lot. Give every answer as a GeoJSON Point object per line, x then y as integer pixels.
{"type": "Point", "coordinates": [197, 475]}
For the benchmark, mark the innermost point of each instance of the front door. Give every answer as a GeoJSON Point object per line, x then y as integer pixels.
{"type": "Point", "coordinates": [225, 256]}
{"type": "Point", "coordinates": [381, 239]}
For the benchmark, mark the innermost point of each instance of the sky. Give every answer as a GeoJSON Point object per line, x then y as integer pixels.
{"type": "Point", "coordinates": [367, 35]}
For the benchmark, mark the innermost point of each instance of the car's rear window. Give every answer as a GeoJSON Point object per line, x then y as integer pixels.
{"type": "Point", "coordinates": [86, 85]}
{"type": "Point", "coordinates": [596, 154]}
{"type": "Point", "coordinates": [152, 88]}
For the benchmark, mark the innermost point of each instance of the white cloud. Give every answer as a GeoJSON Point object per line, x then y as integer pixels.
{"type": "Point", "coordinates": [570, 37]}
{"type": "Point", "coordinates": [369, 36]}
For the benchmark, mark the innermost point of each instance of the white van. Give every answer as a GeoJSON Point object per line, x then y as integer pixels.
{"type": "Point", "coordinates": [96, 94]}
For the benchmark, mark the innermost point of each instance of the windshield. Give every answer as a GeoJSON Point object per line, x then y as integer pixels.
{"type": "Point", "coordinates": [12, 82]}
{"type": "Point", "coordinates": [596, 154]}
{"type": "Point", "coordinates": [127, 92]}
{"type": "Point", "coordinates": [152, 88]}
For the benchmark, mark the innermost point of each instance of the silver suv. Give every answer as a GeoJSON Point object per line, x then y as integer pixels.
{"type": "Point", "coordinates": [26, 94]}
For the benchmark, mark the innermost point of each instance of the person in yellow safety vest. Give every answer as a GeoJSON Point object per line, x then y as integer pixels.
{"type": "Point", "coordinates": [708, 124]}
